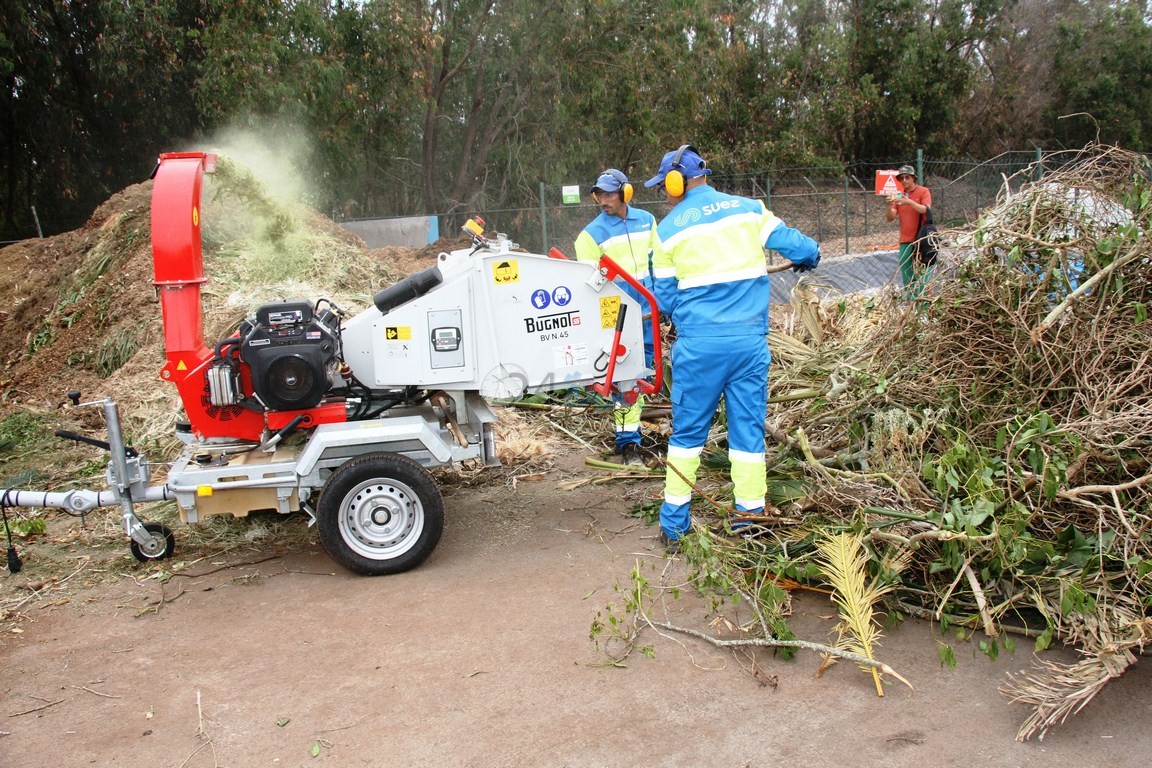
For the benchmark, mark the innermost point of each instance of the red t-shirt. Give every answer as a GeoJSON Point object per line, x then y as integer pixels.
{"type": "Point", "coordinates": [910, 218]}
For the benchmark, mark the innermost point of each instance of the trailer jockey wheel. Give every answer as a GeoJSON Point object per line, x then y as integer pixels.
{"type": "Point", "coordinates": [160, 547]}
{"type": "Point", "coordinates": [380, 513]}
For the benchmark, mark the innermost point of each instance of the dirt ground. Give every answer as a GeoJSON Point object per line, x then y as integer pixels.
{"type": "Point", "coordinates": [482, 657]}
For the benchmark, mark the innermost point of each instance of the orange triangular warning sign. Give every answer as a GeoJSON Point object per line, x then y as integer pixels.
{"type": "Point", "coordinates": [180, 366]}
{"type": "Point", "coordinates": [886, 183]}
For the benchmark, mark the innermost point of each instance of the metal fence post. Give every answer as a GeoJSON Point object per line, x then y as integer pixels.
{"type": "Point", "coordinates": [543, 220]}
{"type": "Point", "coordinates": [846, 223]}
{"type": "Point", "coordinates": [866, 193]}
{"type": "Point", "coordinates": [920, 165]}
{"type": "Point", "coordinates": [768, 205]}
{"type": "Point", "coordinates": [819, 217]}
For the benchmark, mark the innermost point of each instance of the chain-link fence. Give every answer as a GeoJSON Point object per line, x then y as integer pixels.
{"type": "Point", "coordinates": [839, 210]}
{"type": "Point", "coordinates": [842, 212]}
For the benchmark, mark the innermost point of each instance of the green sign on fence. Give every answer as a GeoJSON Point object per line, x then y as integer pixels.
{"type": "Point", "coordinates": [570, 193]}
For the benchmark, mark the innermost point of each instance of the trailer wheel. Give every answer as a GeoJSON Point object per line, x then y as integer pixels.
{"type": "Point", "coordinates": [380, 513]}
{"type": "Point", "coordinates": [161, 546]}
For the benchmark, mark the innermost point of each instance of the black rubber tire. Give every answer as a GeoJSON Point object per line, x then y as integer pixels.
{"type": "Point", "coordinates": [380, 513]}
{"type": "Point", "coordinates": [156, 529]}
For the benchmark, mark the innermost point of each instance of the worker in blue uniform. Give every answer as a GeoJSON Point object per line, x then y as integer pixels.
{"type": "Point", "coordinates": [711, 278]}
{"type": "Point", "coordinates": [628, 236]}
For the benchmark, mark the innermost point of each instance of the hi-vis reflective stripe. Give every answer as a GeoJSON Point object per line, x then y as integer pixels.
{"type": "Point", "coordinates": [677, 500]}
{"type": "Point", "coordinates": [663, 272]}
{"type": "Point", "coordinates": [735, 220]}
{"type": "Point", "coordinates": [746, 456]}
{"type": "Point", "coordinates": [640, 238]}
{"type": "Point", "coordinates": [676, 452]}
{"type": "Point", "coordinates": [724, 277]}
{"type": "Point", "coordinates": [769, 225]}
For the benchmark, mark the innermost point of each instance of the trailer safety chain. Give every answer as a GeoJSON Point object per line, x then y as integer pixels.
{"type": "Point", "coordinates": [14, 562]}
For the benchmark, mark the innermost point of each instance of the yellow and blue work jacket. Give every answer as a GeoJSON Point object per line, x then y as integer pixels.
{"type": "Point", "coordinates": [710, 275]}
{"type": "Point", "coordinates": [630, 242]}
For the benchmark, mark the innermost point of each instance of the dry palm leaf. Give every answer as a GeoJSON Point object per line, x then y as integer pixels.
{"type": "Point", "coordinates": [844, 561]}
{"type": "Point", "coordinates": [806, 304]}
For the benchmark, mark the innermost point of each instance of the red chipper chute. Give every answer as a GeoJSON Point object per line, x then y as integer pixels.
{"type": "Point", "coordinates": [179, 269]}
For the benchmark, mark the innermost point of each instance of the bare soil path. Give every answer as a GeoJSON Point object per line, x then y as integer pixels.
{"type": "Point", "coordinates": [482, 657]}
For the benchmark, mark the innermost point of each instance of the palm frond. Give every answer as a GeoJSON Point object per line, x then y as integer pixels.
{"type": "Point", "coordinates": [1057, 691]}
{"type": "Point", "coordinates": [844, 562]}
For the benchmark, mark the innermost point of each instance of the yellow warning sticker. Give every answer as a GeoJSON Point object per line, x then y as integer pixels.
{"type": "Point", "coordinates": [609, 309]}
{"type": "Point", "coordinates": [506, 272]}
{"type": "Point", "coordinates": [398, 332]}
{"type": "Point", "coordinates": [180, 366]}
{"type": "Point", "coordinates": [195, 216]}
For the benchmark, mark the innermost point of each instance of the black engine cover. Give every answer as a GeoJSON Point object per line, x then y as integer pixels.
{"type": "Point", "coordinates": [290, 353]}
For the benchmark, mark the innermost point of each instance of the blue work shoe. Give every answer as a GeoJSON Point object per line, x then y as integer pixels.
{"type": "Point", "coordinates": [671, 546]}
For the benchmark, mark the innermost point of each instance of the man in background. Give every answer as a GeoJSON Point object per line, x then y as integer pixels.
{"type": "Point", "coordinates": [628, 236]}
{"type": "Point", "coordinates": [910, 206]}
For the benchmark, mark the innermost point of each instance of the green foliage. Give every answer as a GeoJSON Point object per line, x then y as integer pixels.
{"type": "Point", "coordinates": [1046, 450]}
{"type": "Point", "coordinates": [969, 483]}
{"type": "Point", "coordinates": [717, 572]}
{"type": "Point", "coordinates": [27, 526]}
{"type": "Point", "coordinates": [615, 628]}
{"type": "Point", "coordinates": [990, 648]}
{"type": "Point", "coordinates": [1102, 73]}
{"type": "Point", "coordinates": [1044, 640]}
{"type": "Point", "coordinates": [115, 350]}
{"type": "Point", "coordinates": [63, 314]}
{"type": "Point", "coordinates": [648, 511]}
{"type": "Point", "coordinates": [92, 87]}
{"type": "Point", "coordinates": [24, 431]}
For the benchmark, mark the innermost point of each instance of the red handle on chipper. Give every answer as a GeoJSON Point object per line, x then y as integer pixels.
{"type": "Point", "coordinates": [612, 270]}
{"type": "Point", "coordinates": [605, 389]}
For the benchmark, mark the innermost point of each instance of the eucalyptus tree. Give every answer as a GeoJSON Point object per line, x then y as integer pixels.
{"type": "Point", "coordinates": [91, 91]}
{"type": "Point", "coordinates": [488, 71]}
{"type": "Point", "coordinates": [1100, 81]}
{"type": "Point", "coordinates": [638, 80]}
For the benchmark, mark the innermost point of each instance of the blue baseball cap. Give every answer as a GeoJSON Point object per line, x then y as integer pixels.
{"type": "Point", "coordinates": [611, 180]}
{"type": "Point", "coordinates": [690, 165]}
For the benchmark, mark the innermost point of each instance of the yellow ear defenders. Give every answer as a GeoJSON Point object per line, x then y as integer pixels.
{"type": "Point", "coordinates": [674, 180]}
{"type": "Point", "coordinates": [625, 187]}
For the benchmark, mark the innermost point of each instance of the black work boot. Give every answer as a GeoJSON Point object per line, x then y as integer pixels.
{"type": "Point", "coordinates": [631, 457]}
{"type": "Point", "coordinates": [671, 546]}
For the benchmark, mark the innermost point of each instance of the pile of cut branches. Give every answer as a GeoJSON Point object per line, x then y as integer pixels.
{"type": "Point", "coordinates": [998, 431]}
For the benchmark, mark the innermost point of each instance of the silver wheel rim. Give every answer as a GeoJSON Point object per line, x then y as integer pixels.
{"type": "Point", "coordinates": [381, 519]}
{"type": "Point", "coordinates": [155, 546]}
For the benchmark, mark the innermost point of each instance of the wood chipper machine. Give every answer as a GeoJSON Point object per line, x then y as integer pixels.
{"type": "Point", "coordinates": [374, 400]}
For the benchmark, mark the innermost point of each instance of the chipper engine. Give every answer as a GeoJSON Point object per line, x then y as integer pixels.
{"type": "Point", "coordinates": [378, 399]}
